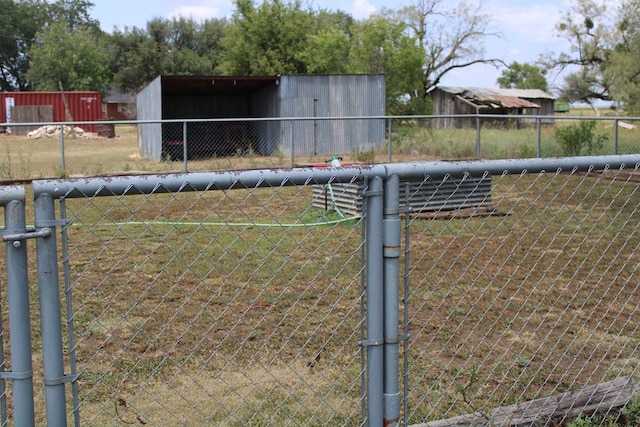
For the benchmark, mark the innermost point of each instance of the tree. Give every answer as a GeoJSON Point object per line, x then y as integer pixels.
{"type": "Point", "coordinates": [449, 39]}
{"type": "Point", "coordinates": [75, 13]}
{"type": "Point", "coordinates": [73, 60]}
{"type": "Point", "coordinates": [381, 45]}
{"type": "Point", "coordinates": [623, 70]}
{"type": "Point", "coordinates": [585, 26]}
{"type": "Point", "coordinates": [326, 51]}
{"type": "Point", "coordinates": [177, 46]}
{"type": "Point", "coordinates": [267, 39]}
{"type": "Point", "coordinates": [23, 24]}
{"type": "Point", "coordinates": [522, 76]}
{"type": "Point", "coordinates": [20, 22]}
{"type": "Point", "coordinates": [327, 47]}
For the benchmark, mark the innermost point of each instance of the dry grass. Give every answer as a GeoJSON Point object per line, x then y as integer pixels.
{"type": "Point", "coordinates": [188, 312]}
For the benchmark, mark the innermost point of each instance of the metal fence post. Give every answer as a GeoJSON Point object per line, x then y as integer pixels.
{"type": "Point", "coordinates": [539, 131]}
{"type": "Point", "coordinates": [375, 303]}
{"type": "Point", "coordinates": [21, 374]}
{"type": "Point", "coordinates": [185, 149]}
{"type": "Point", "coordinates": [50, 316]}
{"type": "Point", "coordinates": [478, 138]}
{"type": "Point", "coordinates": [391, 240]}
{"type": "Point", "coordinates": [615, 136]}
{"type": "Point", "coordinates": [389, 148]}
{"type": "Point", "coordinates": [293, 156]}
{"type": "Point", "coordinates": [62, 164]}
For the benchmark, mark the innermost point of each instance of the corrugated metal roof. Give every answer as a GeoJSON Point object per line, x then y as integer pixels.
{"type": "Point", "coordinates": [496, 98]}
{"type": "Point", "coordinates": [489, 92]}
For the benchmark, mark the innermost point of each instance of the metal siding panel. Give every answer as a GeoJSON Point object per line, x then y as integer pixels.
{"type": "Point", "coordinates": [421, 196]}
{"type": "Point", "coordinates": [300, 133]}
{"type": "Point", "coordinates": [149, 107]}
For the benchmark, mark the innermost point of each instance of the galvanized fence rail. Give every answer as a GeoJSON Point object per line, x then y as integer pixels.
{"type": "Point", "coordinates": [261, 297]}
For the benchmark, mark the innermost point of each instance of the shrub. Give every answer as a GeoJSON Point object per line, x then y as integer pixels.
{"type": "Point", "coordinates": [580, 138]}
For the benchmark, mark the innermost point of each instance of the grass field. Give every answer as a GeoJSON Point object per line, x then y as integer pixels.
{"type": "Point", "coordinates": [224, 308]}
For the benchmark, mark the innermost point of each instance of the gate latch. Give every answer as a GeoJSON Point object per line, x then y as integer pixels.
{"type": "Point", "coordinates": [16, 238]}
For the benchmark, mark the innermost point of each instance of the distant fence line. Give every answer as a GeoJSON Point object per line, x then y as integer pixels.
{"type": "Point", "coordinates": [477, 136]}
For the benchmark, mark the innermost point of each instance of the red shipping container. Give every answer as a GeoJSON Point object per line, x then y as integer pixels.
{"type": "Point", "coordinates": [84, 106]}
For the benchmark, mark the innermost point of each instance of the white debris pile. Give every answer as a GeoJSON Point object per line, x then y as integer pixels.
{"type": "Point", "coordinates": [51, 131]}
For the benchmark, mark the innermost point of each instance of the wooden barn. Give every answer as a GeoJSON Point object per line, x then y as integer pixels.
{"type": "Point", "coordinates": [119, 106]}
{"type": "Point", "coordinates": [462, 100]}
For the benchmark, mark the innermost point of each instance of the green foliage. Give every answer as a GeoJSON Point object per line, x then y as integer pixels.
{"type": "Point", "coordinates": [268, 39]}
{"type": "Point", "coordinates": [580, 139]}
{"type": "Point", "coordinates": [591, 44]}
{"type": "Point", "coordinates": [177, 46]}
{"type": "Point", "coordinates": [73, 59]}
{"type": "Point", "coordinates": [624, 68]}
{"type": "Point", "coordinates": [20, 21]}
{"type": "Point", "coordinates": [74, 13]}
{"type": "Point", "coordinates": [628, 416]}
{"type": "Point", "coordinates": [523, 76]}
{"type": "Point", "coordinates": [381, 45]}
{"type": "Point", "coordinates": [325, 52]}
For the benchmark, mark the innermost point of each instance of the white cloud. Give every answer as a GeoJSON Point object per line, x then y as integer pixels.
{"type": "Point", "coordinates": [361, 9]}
{"type": "Point", "coordinates": [535, 22]}
{"type": "Point", "coordinates": [203, 10]}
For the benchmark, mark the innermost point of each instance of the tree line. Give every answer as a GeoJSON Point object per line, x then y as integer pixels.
{"type": "Point", "coordinates": [58, 45]}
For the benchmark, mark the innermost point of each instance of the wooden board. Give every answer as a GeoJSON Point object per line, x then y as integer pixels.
{"type": "Point", "coordinates": [554, 410]}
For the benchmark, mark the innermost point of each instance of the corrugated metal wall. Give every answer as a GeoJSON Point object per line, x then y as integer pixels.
{"type": "Point", "coordinates": [423, 197]}
{"type": "Point", "coordinates": [337, 96]}
{"type": "Point", "coordinates": [84, 106]}
{"type": "Point", "coordinates": [149, 107]}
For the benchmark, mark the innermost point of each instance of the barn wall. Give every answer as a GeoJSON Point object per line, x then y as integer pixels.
{"type": "Point", "coordinates": [447, 104]}
{"type": "Point", "coordinates": [338, 96]}
{"type": "Point", "coordinates": [299, 97]}
{"type": "Point", "coordinates": [149, 107]}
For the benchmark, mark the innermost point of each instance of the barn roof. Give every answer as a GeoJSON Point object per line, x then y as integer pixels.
{"type": "Point", "coordinates": [496, 98]}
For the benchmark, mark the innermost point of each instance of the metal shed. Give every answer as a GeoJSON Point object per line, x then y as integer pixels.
{"type": "Point", "coordinates": [308, 100]}
{"type": "Point", "coordinates": [460, 100]}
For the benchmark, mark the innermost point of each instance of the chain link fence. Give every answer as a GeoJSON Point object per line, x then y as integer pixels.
{"type": "Point", "coordinates": [223, 144]}
{"type": "Point", "coordinates": [533, 298]}
{"type": "Point", "coordinates": [251, 298]}
{"type": "Point", "coordinates": [216, 307]}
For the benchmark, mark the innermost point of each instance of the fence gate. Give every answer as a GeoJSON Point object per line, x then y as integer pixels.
{"type": "Point", "coordinates": [211, 298]}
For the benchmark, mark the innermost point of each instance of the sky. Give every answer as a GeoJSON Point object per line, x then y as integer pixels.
{"type": "Point", "coordinates": [526, 27]}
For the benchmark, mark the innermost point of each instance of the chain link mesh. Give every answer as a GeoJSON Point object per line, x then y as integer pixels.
{"type": "Point", "coordinates": [535, 297]}
{"type": "Point", "coordinates": [237, 307]}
